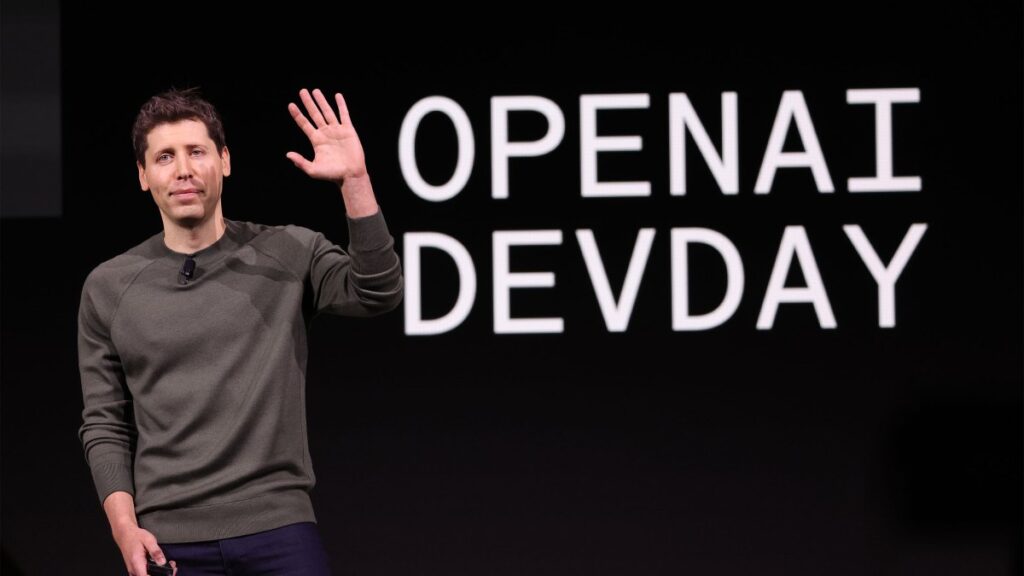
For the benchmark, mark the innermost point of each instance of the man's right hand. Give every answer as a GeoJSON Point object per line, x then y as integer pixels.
{"type": "Point", "coordinates": [133, 541]}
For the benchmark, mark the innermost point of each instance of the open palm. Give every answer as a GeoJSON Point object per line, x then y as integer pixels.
{"type": "Point", "coordinates": [337, 152]}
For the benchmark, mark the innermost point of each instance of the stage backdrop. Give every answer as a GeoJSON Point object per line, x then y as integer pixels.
{"type": "Point", "coordinates": [719, 292]}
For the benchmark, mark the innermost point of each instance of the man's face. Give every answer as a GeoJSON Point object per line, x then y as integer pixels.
{"type": "Point", "coordinates": [184, 172]}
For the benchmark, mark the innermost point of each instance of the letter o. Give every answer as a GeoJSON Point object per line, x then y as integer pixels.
{"type": "Point", "coordinates": [407, 148]}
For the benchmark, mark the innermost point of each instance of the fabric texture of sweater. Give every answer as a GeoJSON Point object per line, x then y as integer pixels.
{"type": "Point", "coordinates": [194, 388]}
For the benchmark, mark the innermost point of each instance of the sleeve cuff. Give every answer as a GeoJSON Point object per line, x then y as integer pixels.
{"type": "Point", "coordinates": [368, 233]}
{"type": "Point", "coordinates": [111, 477]}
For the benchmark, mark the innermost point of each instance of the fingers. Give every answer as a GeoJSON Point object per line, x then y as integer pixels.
{"type": "Point", "coordinates": [343, 110]}
{"type": "Point", "coordinates": [325, 107]}
{"type": "Point", "coordinates": [136, 556]}
{"type": "Point", "coordinates": [138, 566]}
{"type": "Point", "coordinates": [311, 108]}
{"type": "Point", "coordinates": [301, 120]}
{"type": "Point", "coordinates": [154, 550]}
{"type": "Point", "coordinates": [319, 110]}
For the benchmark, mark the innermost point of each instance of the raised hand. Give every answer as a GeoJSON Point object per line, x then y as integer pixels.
{"type": "Point", "coordinates": [337, 152]}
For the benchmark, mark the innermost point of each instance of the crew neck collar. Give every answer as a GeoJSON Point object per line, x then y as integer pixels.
{"type": "Point", "coordinates": [223, 245]}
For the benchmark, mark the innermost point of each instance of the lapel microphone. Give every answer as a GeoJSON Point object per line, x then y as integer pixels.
{"type": "Point", "coordinates": [188, 270]}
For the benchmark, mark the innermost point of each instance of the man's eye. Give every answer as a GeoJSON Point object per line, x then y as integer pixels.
{"type": "Point", "coordinates": [163, 157]}
{"type": "Point", "coordinates": [197, 152]}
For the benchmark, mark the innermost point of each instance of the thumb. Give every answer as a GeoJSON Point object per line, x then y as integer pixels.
{"type": "Point", "coordinates": [155, 552]}
{"type": "Point", "coordinates": [134, 559]}
{"type": "Point", "coordinates": [300, 162]}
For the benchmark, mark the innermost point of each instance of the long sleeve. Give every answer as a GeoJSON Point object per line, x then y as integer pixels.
{"type": "Point", "coordinates": [195, 392]}
{"type": "Point", "coordinates": [108, 432]}
{"type": "Point", "coordinates": [363, 282]}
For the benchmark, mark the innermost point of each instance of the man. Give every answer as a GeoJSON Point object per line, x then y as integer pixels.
{"type": "Point", "coordinates": [192, 349]}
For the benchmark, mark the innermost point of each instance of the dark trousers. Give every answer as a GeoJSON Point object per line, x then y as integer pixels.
{"type": "Point", "coordinates": [292, 550]}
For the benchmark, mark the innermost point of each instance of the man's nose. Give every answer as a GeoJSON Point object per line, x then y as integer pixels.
{"type": "Point", "coordinates": [183, 168]}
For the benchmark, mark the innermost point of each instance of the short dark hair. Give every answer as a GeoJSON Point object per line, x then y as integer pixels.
{"type": "Point", "coordinates": [174, 106]}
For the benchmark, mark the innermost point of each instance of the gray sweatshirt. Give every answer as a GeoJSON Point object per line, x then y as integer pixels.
{"type": "Point", "coordinates": [194, 388]}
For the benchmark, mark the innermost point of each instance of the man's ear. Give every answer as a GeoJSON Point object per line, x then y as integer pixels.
{"type": "Point", "coordinates": [142, 176]}
{"type": "Point", "coordinates": [225, 159]}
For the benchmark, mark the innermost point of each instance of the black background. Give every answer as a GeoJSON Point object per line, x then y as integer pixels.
{"type": "Point", "coordinates": [795, 450]}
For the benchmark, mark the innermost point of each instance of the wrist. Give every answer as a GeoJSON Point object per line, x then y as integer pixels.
{"type": "Point", "coordinates": [122, 526]}
{"type": "Point", "coordinates": [355, 182]}
{"type": "Point", "coordinates": [357, 193]}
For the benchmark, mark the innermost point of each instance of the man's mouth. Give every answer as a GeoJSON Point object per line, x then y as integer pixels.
{"type": "Point", "coordinates": [185, 193]}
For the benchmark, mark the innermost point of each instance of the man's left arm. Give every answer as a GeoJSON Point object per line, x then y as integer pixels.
{"type": "Point", "coordinates": [337, 153]}
{"type": "Point", "coordinates": [364, 281]}
{"type": "Point", "coordinates": [368, 279]}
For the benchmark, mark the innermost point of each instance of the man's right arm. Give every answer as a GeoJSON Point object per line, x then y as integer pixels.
{"type": "Point", "coordinates": [108, 432]}
{"type": "Point", "coordinates": [133, 541]}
